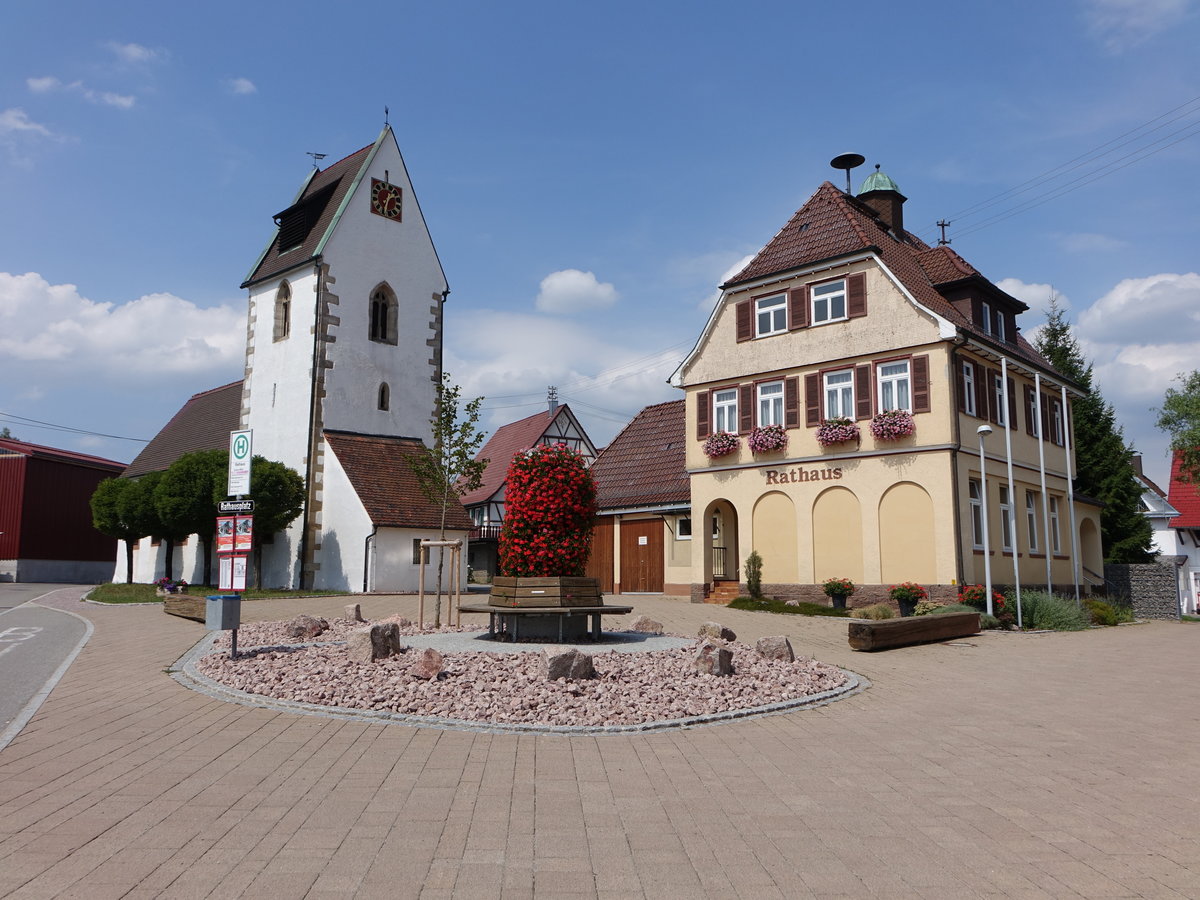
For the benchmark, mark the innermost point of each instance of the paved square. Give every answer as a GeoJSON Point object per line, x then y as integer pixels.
{"type": "Point", "coordinates": [1056, 765]}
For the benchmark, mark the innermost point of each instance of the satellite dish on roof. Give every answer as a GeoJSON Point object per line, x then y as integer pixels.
{"type": "Point", "coordinates": [848, 161]}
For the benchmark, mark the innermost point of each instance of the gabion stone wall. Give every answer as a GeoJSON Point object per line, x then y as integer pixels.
{"type": "Point", "coordinates": [1151, 588]}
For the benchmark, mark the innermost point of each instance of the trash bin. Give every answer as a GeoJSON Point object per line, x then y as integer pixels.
{"type": "Point", "coordinates": [223, 612]}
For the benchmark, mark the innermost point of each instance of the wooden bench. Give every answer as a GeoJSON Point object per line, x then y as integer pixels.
{"type": "Point", "coordinates": [561, 623]}
{"type": "Point", "coordinates": [883, 634]}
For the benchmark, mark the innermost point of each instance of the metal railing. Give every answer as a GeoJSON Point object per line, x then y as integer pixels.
{"type": "Point", "coordinates": [719, 572]}
{"type": "Point", "coordinates": [485, 533]}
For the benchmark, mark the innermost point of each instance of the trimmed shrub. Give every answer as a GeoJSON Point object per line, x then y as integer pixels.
{"type": "Point", "coordinates": [1050, 612]}
{"type": "Point", "coordinates": [925, 607]}
{"type": "Point", "coordinates": [875, 611]}
{"type": "Point", "coordinates": [754, 575]}
{"type": "Point", "coordinates": [1104, 613]}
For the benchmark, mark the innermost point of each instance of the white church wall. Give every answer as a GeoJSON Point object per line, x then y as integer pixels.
{"type": "Point", "coordinates": [345, 527]}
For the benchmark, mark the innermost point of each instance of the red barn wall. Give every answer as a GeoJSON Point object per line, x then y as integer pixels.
{"type": "Point", "coordinates": [56, 516]}
{"type": "Point", "coordinates": [12, 480]}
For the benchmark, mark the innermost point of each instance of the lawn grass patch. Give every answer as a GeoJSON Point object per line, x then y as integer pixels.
{"type": "Point", "coordinates": [779, 606]}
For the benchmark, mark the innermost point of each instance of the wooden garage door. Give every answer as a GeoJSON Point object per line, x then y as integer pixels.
{"type": "Point", "coordinates": [600, 562]}
{"type": "Point", "coordinates": [642, 556]}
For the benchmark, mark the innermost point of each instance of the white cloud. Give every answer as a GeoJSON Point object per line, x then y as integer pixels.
{"type": "Point", "coordinates": [706, 305]}
{"type": "Point", "coordinates": [107, 98]}
{"type": "Point", "coordinates": [43, 85]}
{"type": "Point", "coordinates": [242, 86]}
{"type": "Point", "coordinates": [1149, 309]}
{"type": "Point", "coordinates": [1085, 242]}
{"type": "Point", "coordinates": [135, 54]}
{"type": "Point", "coordinates": [1123, 24]}
{"type": "Point", "coordinates": [571, 290]}
{"type": "Point", "coordinates": [1036, 296]}
{"type": "Point", "coordinates": [15, 120]}
{"type": "Point", "coordinates": [49, 332]}
{"type": "Point", "coordinates": [48, 84]}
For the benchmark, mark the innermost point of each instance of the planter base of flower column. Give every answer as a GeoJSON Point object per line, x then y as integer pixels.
{"type": "Point", "coordinates": [561, 590]}
{"type": "Point", "coordinates": [839, 601]}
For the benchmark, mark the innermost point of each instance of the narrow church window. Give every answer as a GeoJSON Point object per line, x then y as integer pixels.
{"type": "Point", "coordinates": [383, 396]}
{"type": "Point", "coordinates": [283, 312]}
{"type": "Point", "coordinates": [383, 315]}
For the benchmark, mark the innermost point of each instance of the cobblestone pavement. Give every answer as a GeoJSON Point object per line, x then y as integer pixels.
{"type": "Point", "coordinates": [1054, 765]}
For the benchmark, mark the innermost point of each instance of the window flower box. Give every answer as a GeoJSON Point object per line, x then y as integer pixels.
{"type": "Point", "coordinates": [767, 439]}
{"type": "Point", "coordinates": [893, 425]}
{"type": "Point", "coordinates": [721, 443]}
{"type": "Point", "coordinates": [837, 431]}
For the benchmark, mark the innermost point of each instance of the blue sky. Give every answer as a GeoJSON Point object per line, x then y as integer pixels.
{"type": "Point", "coordinates": [589, 173]}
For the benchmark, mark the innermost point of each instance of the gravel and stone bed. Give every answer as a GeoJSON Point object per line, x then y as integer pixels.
{"type": "Point", "coordinates": [511, 689]}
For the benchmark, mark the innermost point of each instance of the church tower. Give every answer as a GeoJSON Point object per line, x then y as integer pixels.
{"type": "Point", "coordinates": [344, 331]}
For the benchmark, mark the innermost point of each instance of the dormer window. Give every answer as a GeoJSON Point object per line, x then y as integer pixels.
{"type": "Point", "coordinates": [771, 314]}
{"type": "Point", "coordinates": [998, 331]}
{"type": "Point", "coordinates": [985, 319]}
{"type": "Point", "coordinates": [829, 302]}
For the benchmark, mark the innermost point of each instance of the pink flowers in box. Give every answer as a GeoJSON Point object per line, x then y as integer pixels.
{"type": "Point", "coordinates": [837, 431]}
{"type": "Point", "coordinates": [720, 443]}
{"type": "Point", "coordinates": [767, 439]}
{"type": "Point", "coordinates": [892, 425]}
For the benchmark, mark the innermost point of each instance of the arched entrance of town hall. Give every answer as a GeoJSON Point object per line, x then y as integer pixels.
{"type": "Point", "coordinates": [718, 533]}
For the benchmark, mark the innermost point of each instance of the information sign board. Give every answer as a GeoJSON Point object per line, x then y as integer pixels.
{"type": "Point", "coordinates": [240, 455]}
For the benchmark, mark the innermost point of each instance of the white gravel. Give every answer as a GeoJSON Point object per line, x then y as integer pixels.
{"type": "Point", "coordinates": [508, 688]}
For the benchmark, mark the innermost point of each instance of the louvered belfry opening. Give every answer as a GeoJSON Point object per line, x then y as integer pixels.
{"type": "Point", "coordinates": [296, 222]}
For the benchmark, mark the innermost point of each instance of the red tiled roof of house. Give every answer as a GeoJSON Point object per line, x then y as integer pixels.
{"type": "Point", "coordinates": [38, 451]}
{"type": "Point", "coordinates": [203, 423]}
{"type": "Point", "coordinates": [341, 176]}
{"type": "Point", "coordinates": [505, 443]}
{"type": "Point", "coordinates": [387, 487]}
{"type": "Point", "coordinates": [832, 224]}
{"type": "Point", "coordinates": [1184, 497]}
{"type": "Point", "coordinates": [645, 464]}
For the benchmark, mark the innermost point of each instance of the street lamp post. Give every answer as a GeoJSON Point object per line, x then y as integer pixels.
{"type": "Point", "coordinates": [983, 431]}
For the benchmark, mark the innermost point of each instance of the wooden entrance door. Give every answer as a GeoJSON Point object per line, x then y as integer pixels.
{"type": "Point", "coordinates": [642, 556]}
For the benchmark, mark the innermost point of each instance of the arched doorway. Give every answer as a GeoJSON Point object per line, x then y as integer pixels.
{"type": "Point", "coordinates": [719, 538]}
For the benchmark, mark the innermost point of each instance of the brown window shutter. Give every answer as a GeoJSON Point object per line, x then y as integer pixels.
{"type": "Point", "coordinates": [745, 321]}
{"type": "Point", "coordinates": [961, 383]}
{"type": "Point", "coordinates": [1012, 403]}
{"type": "Point", "coordinates": [812, 400]}
{"type": "Point", "coordinates": [862, 392]}
{"type": "Point", "coordinates": [791, 402]}
{"type": "Point", "coordinates": [745, 408]}
{"type": "Point", "coordinates": [798, 308]}
{"type": "Point", "coordinates": [1029, 423]}
{"type": "Point", "coordinates": [981, 392]}
{"type": "Point", "coordinates": [702, 414]}
{"type": "Point", "coordinates": [920, 370]}
{"type": "Point", "coordinates": [856, 295]}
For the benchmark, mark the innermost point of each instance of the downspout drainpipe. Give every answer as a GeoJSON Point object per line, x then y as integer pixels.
{"type": "Point", "coordinates": [310, 453]}
{"type": "Point", "coordinates": [1037, 389]}
{"type": "Point", "coordinates": [1012, 488]}
{"type": "Point", "coordinates": [956, 377]}
{"type": "Point", "coordinates": [1071, 493]}
{"type": "Point", "coordinates": [368, 566]}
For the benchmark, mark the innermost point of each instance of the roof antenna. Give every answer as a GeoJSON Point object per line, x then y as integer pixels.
{"type": "Point", "coordinates": [848, 161]}
{"type": "Point", "coordinates": [943, 240]}
{"type": "Point", "coordinates": [385, 117]}
{"type": "Point", "coordinates": [552, 398]}
{"type": "Point", "coordinates": [317, 157]}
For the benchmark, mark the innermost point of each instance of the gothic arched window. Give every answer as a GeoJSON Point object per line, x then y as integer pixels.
{"type": "Point", "coordinates": [383, 315]}
{"type": "Point", "coordinates": [384, 392]}
{"type": "Point", "coordinates": [283, 312]}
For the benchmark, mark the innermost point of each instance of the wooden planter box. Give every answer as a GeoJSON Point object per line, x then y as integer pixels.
{"type": "Point", "coordinates": [187, 606]}
{"type": "Point", "coordinates": [509, 591]}
{"type": "Point", "coordinates": [868, 634]}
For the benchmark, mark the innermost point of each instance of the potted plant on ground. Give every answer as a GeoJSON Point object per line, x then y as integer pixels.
{"type": "Point", "coordinates": [165, 586]}
{"type": "Point", "coordinates": [892, 425]}
{"type": "Point", "coordinates": [767, 439]}
{"type": "Point", "coordinates": [838, 430]}
{"type": "Point", "coordinates": [907, 595]}
{"type": "Point", "coordinates": [721, 443]}
{"type": "Point", "coordinates": [837, 590]}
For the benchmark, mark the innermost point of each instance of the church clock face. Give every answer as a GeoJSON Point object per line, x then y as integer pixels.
{"type": "Point", "coordinates": [385, 199]}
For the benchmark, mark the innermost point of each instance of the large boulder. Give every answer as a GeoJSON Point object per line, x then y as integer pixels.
{"type": "Point", "coordinates": [428, 664]}
{"type": "Point", "coordinates": [570, 664]}
{"type": "Point", "coordinates": [715, 631]}
{"type": "Point", "coordinates": [712, 659]}
{"type": "Point", "coordinates": [776, 647]}
{"type": "Point", "coordinates": [307, 628]}
{"type": "Point", "coordinates": [377, 642]}
{"type": "Point", "coordinates": [646, 625]}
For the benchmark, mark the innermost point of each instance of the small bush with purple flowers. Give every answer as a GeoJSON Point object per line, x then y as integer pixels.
{"type": "Point", "coordinates": [892, 425]}
{"type": "Point", "coordinates": [767, 439]}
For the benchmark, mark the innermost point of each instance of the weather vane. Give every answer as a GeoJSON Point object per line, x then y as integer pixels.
{"type": "Point", "coordinates": [316, 157]}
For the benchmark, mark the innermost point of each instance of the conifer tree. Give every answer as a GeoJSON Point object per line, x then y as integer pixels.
{"type": "Point", "coordinates": [1103, 461]}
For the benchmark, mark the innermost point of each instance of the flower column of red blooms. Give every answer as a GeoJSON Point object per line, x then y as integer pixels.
{"type": "Point", "coordinates": [549, 510]}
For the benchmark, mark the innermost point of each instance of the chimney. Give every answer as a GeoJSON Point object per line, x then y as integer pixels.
{"type": "Point", "coordinates": [552, 399]}
{"type": "Point", "coordinates": [883, 195]}
{"type": "Point", "coordinates": [1136, 462]}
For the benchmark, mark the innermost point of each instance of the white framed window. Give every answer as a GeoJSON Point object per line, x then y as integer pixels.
{"type": "Point", "coordinates": [683, 528]}
{"type": "Point", "coordinates": [771, 314]}
{"type": "Point", "coordinates": [894, 386]}
{"type": "Point", "coordinates": [770, 403]}
{"type": "Point", "coordinates": [725, 411]}
{"type": "Point", "coordinates": [968, 387]}
{"type": "Point", "coordinates": [1034, 417]}
{"type": "Point", "coordinates": [1001, 407]}
{"type": "Point", "coordinates": [828, 302]}
{"type": "Point", "coordinates": [1006, 519]}
{"type": "Point", "coordinates": [839, 394]}
{"type": "Point", "coordinates": [999, 329]}
{"type": "Point", "coordinates": [986, 317]}
{"type": "Point", "coordinates": [1031, 517]}
{"type": "Point", "coordinates": [976, 514]}
{"type": "Point", "coordinates": [1055, 543]}
{"type": "Point", "coordinates": [1056, 422]}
